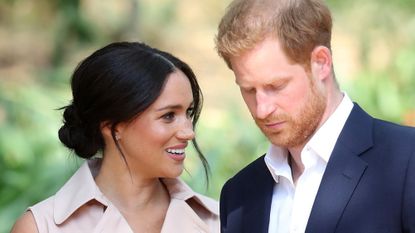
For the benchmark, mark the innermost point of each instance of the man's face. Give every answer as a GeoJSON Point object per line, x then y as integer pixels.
{"type": "Point", "coordinates": [281, 96]}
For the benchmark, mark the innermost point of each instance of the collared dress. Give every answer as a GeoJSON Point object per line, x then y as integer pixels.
{"type": "Point", "coordinates": [80, 207]}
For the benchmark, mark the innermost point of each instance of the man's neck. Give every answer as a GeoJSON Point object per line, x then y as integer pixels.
{"type": "Point", "coordinates": [294, 160]}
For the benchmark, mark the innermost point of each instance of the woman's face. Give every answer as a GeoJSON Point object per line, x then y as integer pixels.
{"type": "Point", "coordinates": [154, 143]}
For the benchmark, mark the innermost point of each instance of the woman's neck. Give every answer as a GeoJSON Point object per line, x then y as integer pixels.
{"type": "Point", "coordinates": [143, 202]}
{"type": "Point", "coordinates": [126, 188]}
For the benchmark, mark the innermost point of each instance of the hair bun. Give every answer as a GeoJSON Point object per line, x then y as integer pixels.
{"type": "Point", "coordinates": [73, 134]}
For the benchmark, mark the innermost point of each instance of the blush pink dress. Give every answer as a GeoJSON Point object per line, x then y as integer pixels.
{"type": "Point", "coordinates": [80, 207]}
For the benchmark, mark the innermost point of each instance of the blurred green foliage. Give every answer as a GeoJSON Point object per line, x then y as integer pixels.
{"type": "Point", "coordinates": [385, 35]}
{"type": "Point", "coordinates": [42, 41]}
{"type": "Point", "coordinates": [31, 160]}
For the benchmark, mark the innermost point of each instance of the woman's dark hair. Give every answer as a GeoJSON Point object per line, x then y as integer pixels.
{"type": "Point", "coordinates": [115, 84]}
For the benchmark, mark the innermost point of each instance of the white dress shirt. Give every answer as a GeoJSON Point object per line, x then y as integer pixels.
{"type": "Point", "coordinates": [291, 204]}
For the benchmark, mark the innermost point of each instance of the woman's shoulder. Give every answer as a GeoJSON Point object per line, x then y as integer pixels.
{"type": "Point", "coordinates": [60, 206]}
{"type": "Point", "coordinates": [43, 209]}
{"type": "Point", "coordinates": [33, 218]}
{"type": "Point", "coordinates": [25, 224]}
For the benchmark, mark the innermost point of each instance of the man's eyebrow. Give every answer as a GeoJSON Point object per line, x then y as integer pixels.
{"type": "Point", "coordinates": [280, 80]}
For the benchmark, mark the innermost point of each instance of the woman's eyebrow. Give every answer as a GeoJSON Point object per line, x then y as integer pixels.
{"type": "Point", "coordinates": [172, 107]}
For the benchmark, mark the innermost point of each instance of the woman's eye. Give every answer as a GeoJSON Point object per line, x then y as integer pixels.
{"type": "Point", "coordinates": [190, 112]}
{"type": "Point", "coordinates": [168, 116]}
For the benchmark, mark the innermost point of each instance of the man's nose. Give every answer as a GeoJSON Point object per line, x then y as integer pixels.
{"type": "Point", "coordinates": [264, 105]}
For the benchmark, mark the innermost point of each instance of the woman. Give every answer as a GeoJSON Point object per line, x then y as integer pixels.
{"type": "Point", "coordinates": [131, 117]}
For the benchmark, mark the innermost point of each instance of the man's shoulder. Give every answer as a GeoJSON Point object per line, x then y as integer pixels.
{"type": "Point", "coordinates": [394, 126]}
{"type": "Point", "coordinates": [382, 129]}
{"type": "Point", "coordinates": [390, 130]}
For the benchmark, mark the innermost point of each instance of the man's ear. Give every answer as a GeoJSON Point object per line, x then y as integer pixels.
{"type": "Point", "coordinates": [321, 62]}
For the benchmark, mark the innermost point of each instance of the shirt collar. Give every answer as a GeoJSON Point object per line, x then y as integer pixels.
{"type": "Point", "coordinates": [276, 160]}
{"type": "Point", "coordinates": [81, 188]}
{"type": "Point", "coordinates": [322, 142]}
{"type": "Point", "coordinates": [325, 138]}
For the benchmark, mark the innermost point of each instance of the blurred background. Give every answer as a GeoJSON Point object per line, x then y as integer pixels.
{"type": "Point", "coordinates": [42, 41]}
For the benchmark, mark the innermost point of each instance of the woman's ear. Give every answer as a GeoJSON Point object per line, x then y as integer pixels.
{"type": "Point", "coordinates": [106, 129]}
{"type": "Point", "coordinates": [321, 62]}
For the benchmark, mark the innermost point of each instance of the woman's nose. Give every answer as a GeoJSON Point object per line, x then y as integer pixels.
{"type": "Point", "coordinates": [186, 133]}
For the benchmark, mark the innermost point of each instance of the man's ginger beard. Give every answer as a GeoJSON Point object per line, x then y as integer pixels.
{"type": "Point", "coordinates": [298, 129]}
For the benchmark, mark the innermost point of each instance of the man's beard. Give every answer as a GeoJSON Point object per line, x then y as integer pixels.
{"type": "Point", "coordinates": [297, 130]}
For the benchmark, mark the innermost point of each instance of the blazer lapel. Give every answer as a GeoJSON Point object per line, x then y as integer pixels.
{"type": "Point", "coordinates": [258, 198]}
{"type": "Point", "coordinates": [343, 173]}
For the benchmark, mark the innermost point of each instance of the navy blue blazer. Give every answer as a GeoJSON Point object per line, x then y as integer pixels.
{"type": "Point", "coordinates": [368, 185]}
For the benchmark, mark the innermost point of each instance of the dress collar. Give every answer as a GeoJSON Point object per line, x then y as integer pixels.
{"type": "Point", "coordinates": [180, 190]}
{"type": "Point", "coordinates": [77, 191]}
{"type": "Point", "coordinates": [81, 189]}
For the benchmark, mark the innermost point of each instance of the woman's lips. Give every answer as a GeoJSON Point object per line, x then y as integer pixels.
{"type": "Point", "coordinates": [177, 152]}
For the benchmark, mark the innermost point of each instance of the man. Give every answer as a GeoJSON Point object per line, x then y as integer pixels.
{"type": "Point", "coordinates": [330, 167]}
